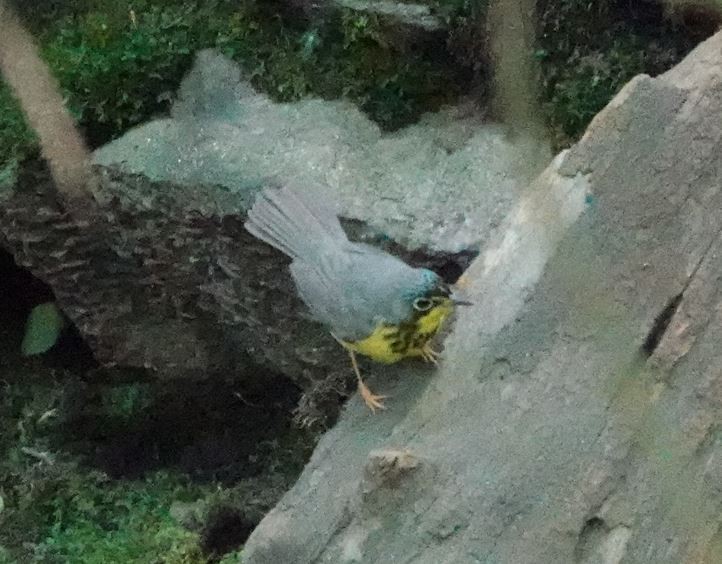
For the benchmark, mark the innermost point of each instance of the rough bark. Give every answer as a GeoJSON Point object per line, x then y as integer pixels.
{"type": "Point", "coordinates": [576, 416]}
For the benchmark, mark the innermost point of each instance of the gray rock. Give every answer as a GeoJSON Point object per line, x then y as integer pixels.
{"type": "Point", "coordinates": [575, 416]}
{"type": "Point", "coordinates": [405, 18]}
{"type": "Point", "coordinates": [406, 13]}
{"type": "Point", "coordinates": [442, 184]}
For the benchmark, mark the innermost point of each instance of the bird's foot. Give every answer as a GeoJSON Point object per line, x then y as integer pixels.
{"type": "Point", "coordinates": [429, 354]}
{"type": "Point", "coordinates": [373, 401]}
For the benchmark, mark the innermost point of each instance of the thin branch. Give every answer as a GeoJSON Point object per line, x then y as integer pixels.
{"type": "Point", "coordinates": [39, 95]}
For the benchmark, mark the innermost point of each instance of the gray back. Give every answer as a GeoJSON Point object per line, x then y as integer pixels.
{"type": "Point", "coordinates": [360, 287]}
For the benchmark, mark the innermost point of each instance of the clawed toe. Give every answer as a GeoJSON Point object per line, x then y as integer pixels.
{"type": "Point", "coordinates": [430, 355]}
{"type": "Point", "coordinates": [372, 400]}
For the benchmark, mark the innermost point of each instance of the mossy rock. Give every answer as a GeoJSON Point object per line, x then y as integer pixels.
{"type": "Point", "coordinates": [118, 67]}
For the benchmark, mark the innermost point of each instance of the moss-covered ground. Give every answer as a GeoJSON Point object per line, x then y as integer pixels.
{"type": "Point", "coordinates": [103, 467]}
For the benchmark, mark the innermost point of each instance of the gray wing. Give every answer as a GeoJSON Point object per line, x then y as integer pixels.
{"type": "Point", "coordinates": [327, 303]}
{"type": "Point", "coordinates": [300, 223]}
{"type": "Point", "coordinates": [360, 287]}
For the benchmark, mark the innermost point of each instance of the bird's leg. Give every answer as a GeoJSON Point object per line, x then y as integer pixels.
{"type": "Point", "coordinates": [429, 354]}
{"type": "Point", "coordinates": [372, 400]}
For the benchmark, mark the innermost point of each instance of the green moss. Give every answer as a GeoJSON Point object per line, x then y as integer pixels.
{"type": "Point", "coordinates": [231, 558]}
{"type": "Point", "coordinates": [57, 509]}
{"type": "Point", "coordinates": [97, 520]}
{"type": "Point", "coordinates": [90, 468]}
{"type": "Point", "coordinates": [16, 139]}
{"type": "Point", "coordinates": [589, 49]}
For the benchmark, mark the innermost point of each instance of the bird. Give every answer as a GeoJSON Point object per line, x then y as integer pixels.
{"type": "Point", "coordinates": [373, 303]}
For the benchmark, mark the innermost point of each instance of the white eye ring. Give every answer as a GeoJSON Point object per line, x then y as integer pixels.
{"type": "Point", "coordinates": [422, 304]}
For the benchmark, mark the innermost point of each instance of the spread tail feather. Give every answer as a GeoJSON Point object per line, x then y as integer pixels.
{"type": "Point", "coordinates": [296, 222]}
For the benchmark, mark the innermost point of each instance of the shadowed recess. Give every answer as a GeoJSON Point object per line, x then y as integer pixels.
{"type": "Point", "coordinates": [660, 325]}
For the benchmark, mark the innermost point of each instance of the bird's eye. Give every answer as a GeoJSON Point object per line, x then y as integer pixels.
{"type": "Point", "coordinates": [422, 304]}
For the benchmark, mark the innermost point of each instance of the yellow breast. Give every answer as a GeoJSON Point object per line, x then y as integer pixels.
{"type": "Point", "coordinates": [391, 343]}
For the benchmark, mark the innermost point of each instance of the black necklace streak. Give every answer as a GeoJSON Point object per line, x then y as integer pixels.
{"type": "Point", "coordinates": [407, 336]}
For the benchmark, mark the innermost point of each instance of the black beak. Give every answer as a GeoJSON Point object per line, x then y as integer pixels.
{"type": "Point", "coordinates": [455, 295]}
{"type": "Point", "coordinates": [449, 292]}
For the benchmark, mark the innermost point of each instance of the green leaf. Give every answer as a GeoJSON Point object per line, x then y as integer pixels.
{"type": "Point", "coordinates": [42, 329]}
